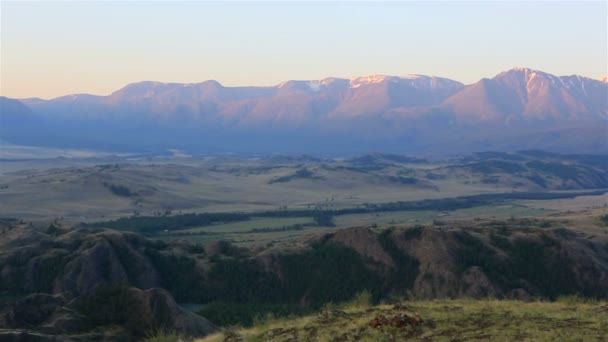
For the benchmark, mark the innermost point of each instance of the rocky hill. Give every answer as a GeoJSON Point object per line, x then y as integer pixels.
{"type": "Point", "coordinates": [105, 284]}
{"type": "Point", "coordinates": [85, 285]}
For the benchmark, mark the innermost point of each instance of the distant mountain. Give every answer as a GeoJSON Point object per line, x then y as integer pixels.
{"type": "Point", "coordinates": [517, 109]}
{"type": "Point", "coordinates": [530, 95]}
{"type": "Point", "coordinates": [16, 119]}
{"type": "Point", "coordinates": [289, 100]}
{"type": "Point", "coordinates": [13, 112]}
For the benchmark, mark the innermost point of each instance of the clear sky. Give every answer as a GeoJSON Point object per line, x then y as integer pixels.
{"type": "Point", "coordinates": [52, 49]}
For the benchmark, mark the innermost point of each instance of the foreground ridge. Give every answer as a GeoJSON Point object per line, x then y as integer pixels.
{"type": "Point", "coordinates": [486, 320]}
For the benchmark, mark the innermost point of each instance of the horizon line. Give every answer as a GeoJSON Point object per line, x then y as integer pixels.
{"type": "Point", "coordinates": [601, 79]}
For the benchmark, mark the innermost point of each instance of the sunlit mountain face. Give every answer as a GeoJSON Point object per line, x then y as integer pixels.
{"type": "Point", "coordinates": [516, 109]}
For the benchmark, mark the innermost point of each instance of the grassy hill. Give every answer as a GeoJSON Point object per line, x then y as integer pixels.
{"type": "Point", "coordinates": [568, 319]}
{"type": "Point", "coordinates": [99, 190]}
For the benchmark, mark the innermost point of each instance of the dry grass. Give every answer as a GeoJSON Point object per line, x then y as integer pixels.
{"type": "Point", "coordinates": [570, 319]}
{"type": "Point", "coordinates": [78, 193]}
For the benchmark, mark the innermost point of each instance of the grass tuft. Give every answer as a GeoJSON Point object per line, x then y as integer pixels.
{"type": "Point", "coordinates": [361, 300]}
{"type": "Point", "coordinates": [161, 335]}
{"type": "Point", "coordinates": [576, 299]}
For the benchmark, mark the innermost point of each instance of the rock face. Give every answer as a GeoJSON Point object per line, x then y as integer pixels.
{"type": "Point", "coordinates": [140, 311]}
{"type": "Point", "coordinates": [505, 260]}
{"type": "Point", "coordinates": [85, 279]}
{"type": "Point", "coordinates": [364, 241]}
{"type": "Point", "coordinates": [75, 262]}
{"type": "Point", "coordinates": [130, 311]}
{"type": "Point", "coordinates": [496, 259]}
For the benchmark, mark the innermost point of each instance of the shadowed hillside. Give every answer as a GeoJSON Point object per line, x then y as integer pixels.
{"type": "Point", "coordinates": [94, 275]}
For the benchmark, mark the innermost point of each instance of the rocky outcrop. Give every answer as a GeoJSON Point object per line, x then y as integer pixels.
{"type": "Point", "coordinates": [76, 262]}
{"type": "Point", "coordinates": [140, 311]}
{"type": "Point", "coordinates": [130, 311]}
{"type": "Point", "coordinates": [82, 280]}
{"type": "Point", "coordinates": [493, 259]}
{"type": "Point", "coordinates": [364, 241]}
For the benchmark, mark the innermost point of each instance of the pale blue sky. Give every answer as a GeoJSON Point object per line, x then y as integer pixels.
{"type": "Point", "coordinates": [53, 49]}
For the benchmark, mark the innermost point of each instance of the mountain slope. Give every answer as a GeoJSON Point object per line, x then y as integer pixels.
{"type": "Point", "coordinates": [406, 114]}
{"type": "Point", "coordinates": [527, 94]}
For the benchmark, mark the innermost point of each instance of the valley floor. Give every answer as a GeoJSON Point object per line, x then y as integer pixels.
{"type": "Point", "coordinates": [568, 319]}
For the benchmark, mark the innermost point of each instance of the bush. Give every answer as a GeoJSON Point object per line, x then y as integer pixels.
{"type": "Point", "coordinates": [361, 300]}
{"type": "Point", "coordinates": [119, 190]}
{"type": "Point", "coordinates": [406, 269]}
{"type": "Point", "coordinates": [53, 230]}
{"type": "Point", "coordinates": [161, 335]}
{"type": "Point", "coordinates": [226, 314]}
{"type": "Point", "coordinates": [413, 233]}
{"type": "Point", "coordinates": [324, 219]}
{"type": "Point", "coordinates": [116, 304]}
{"type": "Point", "coordinates": [574, 299]}
{"type": "Point", "coordinates": [330, 272]}
{"type": "Point", "coordinates": [500, 241]}
{"type": "Point", "coordinates": [179, 275]}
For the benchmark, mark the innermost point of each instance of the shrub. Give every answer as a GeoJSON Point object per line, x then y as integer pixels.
{"type": "Point", "coordinates": [53, 230]}
{"type": "Point", "coordinates": [116, 304]}
{"type": "Point", "coordinates": [324, 219]}
{"type": "Point", "coordinates": [406, 269]}
{"type": "Point", "coordinates": [574, 299]}
{"type": "Point", "coordinates": [161, 335]}
{"type": "Point", "coordinates": [225, 314]}
{"type": "Point", "coordinates": [330, 272]}
{"type": "Point", "coordinates": [119, 190]}
{"type": "Point", "coordinates": [413, 233]}
{"type": "Point", "coordinates": [361, 300]}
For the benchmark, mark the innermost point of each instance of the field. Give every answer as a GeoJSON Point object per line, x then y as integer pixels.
{"type": "Point", "coordinates": [289, 225]}
{"type": "Point", "coordinates": [105, 188]}
{"type": "Point", "coordinates": [569, 319]}
{"type": "Point", "coordinates": [80, 189]}
{"type": "Point", "coordinates": [79, 194]}
{"type": "Point", "coordinates": [272, 230]}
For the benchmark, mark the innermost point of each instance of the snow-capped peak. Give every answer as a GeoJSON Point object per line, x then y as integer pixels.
{"type": "Point", "coordinates": [282, 84]}
{"type": "Point", "coordinates": [412, 76]}
{"type": "Point", "coordinates": [356, 82]}
{"type": "Point", "coordinates": [315, 85]}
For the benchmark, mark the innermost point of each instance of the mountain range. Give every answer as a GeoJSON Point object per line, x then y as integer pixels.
{"type": "Point", "coordinates": [517, 109]}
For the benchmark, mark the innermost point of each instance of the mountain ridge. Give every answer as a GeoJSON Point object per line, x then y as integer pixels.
{"type": "Point", "coordinates": [323, 80]}
{"type": "Point", "coordinates": [374, 113]}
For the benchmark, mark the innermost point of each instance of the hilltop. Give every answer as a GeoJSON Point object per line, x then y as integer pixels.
{"type": "Point", "coordinates": [570, 319]}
